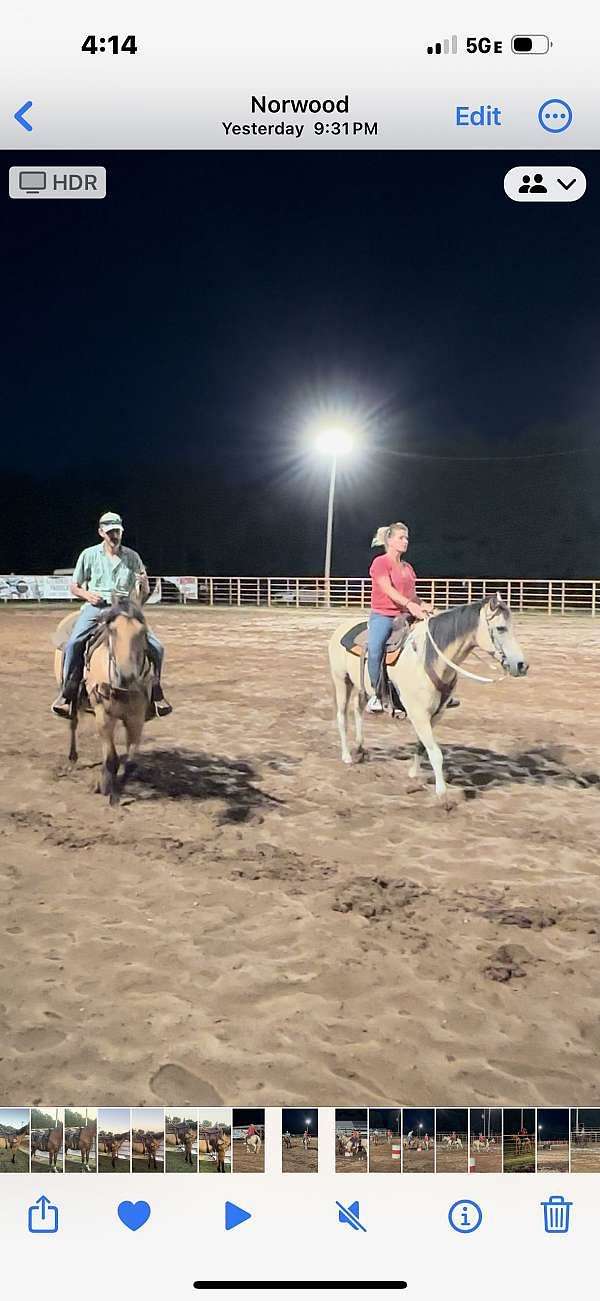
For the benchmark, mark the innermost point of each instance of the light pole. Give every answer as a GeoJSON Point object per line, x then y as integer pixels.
{"type": "Point", "coordinates": [333, 442]}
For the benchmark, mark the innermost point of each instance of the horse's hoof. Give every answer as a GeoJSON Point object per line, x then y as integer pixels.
{"type": "Point", "coordinates": [359, 755]}
{"type": "Point", "coordinates": [414, 787]}
{"type": "Point", "coordinates": [347, 758]}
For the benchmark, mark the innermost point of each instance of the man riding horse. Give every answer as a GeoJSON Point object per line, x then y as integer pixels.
{"type": "Point", "coordinates": [103, 572]}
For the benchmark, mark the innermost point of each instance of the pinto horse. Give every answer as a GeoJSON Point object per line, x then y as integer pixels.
{"type": "Point", "coordinates": [118, 678]}
{"type": "Point", "coordinates": [425, 672]}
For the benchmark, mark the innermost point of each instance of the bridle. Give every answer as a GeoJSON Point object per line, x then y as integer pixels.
{"type": "Point", "coordinates": [465, 673]}
{"type": "Point", "coordinates": [122, 693]}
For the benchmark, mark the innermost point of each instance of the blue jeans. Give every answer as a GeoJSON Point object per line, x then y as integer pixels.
{"type": "Point", "coordinates": [74, 649]}
{"type": "Point", "coordinates": [380, 627]}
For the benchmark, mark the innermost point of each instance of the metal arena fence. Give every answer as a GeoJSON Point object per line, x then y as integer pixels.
{"type": "Point", "coordinates": [555, 596]}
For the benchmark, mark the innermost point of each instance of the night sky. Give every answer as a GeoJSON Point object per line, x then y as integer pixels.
{"type": "Point", "coordinates": [167, 351]}
{"type": "Point", "coordinates": [413, 1117]}
{"type": "Point", "coordinates": [294, 1119]}
{"type": "Point", "coordinates": [455, 1119]}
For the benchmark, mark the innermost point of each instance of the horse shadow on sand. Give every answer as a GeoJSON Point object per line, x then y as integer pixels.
{"type": "Point", "coordinates": [186, 775]}
{"type": "Point", "coordinates": [475, 767]}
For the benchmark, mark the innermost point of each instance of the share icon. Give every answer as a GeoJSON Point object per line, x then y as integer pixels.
{"type": "Point", "coordinates": [349, 1215]}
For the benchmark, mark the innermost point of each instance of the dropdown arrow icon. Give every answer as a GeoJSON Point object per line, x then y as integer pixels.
{"type": "Point", "coordinates": [566, 185]}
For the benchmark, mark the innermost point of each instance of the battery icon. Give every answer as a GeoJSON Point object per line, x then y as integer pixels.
{"type": "Point", "coordinates": [530, 44]}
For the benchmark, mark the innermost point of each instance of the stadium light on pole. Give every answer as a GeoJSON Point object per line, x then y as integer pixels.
{"type": "Point", "coordinates": [333, 441]}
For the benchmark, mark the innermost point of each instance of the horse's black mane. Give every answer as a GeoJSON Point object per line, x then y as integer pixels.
{"type": "Point", "coordinates": [126, 607]}
{"type": "Point", "coordinates": [451, 624]}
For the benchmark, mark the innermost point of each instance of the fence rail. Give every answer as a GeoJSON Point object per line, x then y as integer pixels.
{"type": "Point", "coordinates": [554, 596]}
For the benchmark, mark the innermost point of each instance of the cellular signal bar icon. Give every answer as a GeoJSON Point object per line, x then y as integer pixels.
{"type": "Point", "coordinates": [444, 47]}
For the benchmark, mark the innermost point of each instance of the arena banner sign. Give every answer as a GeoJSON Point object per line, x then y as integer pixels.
{"type": "Point", "coordinates": [35, 587]}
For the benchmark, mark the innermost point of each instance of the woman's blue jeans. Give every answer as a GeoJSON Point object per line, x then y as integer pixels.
{"type": "Point", "coordinates": [380, 627]}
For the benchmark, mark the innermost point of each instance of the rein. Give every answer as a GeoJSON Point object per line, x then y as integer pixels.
{"type": "Point", "coordinates": [475, 677]}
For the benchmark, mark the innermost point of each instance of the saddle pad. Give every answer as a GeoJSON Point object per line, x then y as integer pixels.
{"type": "Point", "coordinates": [356, 639]}
{"type": "Point", "coordinates": [350, 637]}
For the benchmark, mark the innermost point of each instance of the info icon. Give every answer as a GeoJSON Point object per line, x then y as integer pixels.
{"type": "Point", "coordinates": [465, 1216]}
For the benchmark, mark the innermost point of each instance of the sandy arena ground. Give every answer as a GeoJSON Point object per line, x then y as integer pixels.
{"type": "Point", "coordinates": [380, 1159]}
{"type": "Point", "coordinates": [245, 1162]}
{"type": "Point", "coordinates": [294, 1160]}
{"type": "Point", "coordinates": [554, 1159]}
{"type": "Point", "coordinates": [487, 1163]}
{"type": "Point", "coordinates": [451, 1161]}
{"type": "Point", "coordinates": [351, 1165]}
{"type": "Point", "coordinates": [585, 1160]}
{"type": "Point", "coordinates": [418, 1160]}
{"type": "Point", "coordinates": [257, 921]}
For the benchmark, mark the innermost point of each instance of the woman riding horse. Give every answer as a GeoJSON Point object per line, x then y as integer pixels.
{"type": "Point", "coordinates": [393, 592]}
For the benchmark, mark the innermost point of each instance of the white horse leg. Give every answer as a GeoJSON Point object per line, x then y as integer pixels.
{"type": "Point", "coordinates": [343, 688]}
{"type": "Point", "coordinates": [424, 730]}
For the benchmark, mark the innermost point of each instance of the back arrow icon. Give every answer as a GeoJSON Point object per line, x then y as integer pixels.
{"type": "Point", "coordinates": [20, 115]}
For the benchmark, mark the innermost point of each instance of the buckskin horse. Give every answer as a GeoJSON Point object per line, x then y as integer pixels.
{"type": "Point", "coordinates": [426, 671]}
{"type": "Point", "coordinates": [118, 677]}
{"type": "Point", "coordinates": [50, 1141]}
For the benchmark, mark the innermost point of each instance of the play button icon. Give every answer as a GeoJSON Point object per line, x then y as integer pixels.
{"type": "Point", "coordinates": [235, 1215]}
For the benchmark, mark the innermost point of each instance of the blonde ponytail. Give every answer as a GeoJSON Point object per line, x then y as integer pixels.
{"type": "Point", "coordinates": [384, 533]}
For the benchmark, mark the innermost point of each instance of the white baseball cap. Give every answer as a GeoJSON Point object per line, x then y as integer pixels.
{"type": "Point", "coordinates": [110, 520]}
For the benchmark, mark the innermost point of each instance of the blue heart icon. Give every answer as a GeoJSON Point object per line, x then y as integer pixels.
{"type": "Point", "coordinates": [133, 1214]}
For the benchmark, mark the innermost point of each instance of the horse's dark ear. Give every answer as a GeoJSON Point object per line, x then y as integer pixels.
{"type": "Point", "coordinates": [494, 601]}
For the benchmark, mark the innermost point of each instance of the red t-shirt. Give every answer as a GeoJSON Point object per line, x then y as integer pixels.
{"type": "Point", "coordinates": [402, 577]}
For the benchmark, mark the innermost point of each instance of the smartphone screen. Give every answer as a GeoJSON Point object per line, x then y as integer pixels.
{"type": "Point", "coordinates": [299, 599]}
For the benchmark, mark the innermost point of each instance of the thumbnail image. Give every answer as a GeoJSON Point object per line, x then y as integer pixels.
{"type": "Point", "coordinates": [114, 1140]}
{"type": "Point", "coordinates": [385, 1140]}
{"type": "Point", "coordinates": [485, 1152]}
{"type": "Point", "coordinates": [214, 1141]}
{"type": "Point", "coordinates": [585, 1140]}
{"type": "Point", "coordinates": [81, 1126]}
{"type": "Point", "coordinates": [181, 1140]}
{"type": "Point", "coordinates": [451, 1140]}
{"type": "Point", "coordinates": [552, 1140]}
{"type": "Point", "coordinates": [47, 1139]}
{"type": "Point", "coordinates": [248, 1135]}
{"type": "Point", "coordinates": [147, 1140]}
{"type": "Point", "coordinates": [14, 1140]}
{"type": "Point", "coordinates": [518, 1128]}
{"type": "Point", "coordinates": [300, 1140]}
{"type": "Point", "coordinates": [351, 1140]}
{"type": "Point", "coordinates": [418, 1149]}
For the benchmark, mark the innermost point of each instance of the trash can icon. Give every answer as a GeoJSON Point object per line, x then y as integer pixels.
{"type": "Point", "coordinates": [557, 1213]}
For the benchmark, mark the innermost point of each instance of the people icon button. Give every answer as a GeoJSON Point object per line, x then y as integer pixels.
{"type": "Point", "coordinates": [465, 1216]}
{"type": "Point", "coordinates": [548, 183]}
{"type": "Point", "coordinates": [533, 187]}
